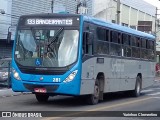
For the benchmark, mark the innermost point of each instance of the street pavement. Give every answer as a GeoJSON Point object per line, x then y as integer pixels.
{"type": "Point", "coordinates": [5, 92]}
{"type": "Point", "coordinates": [148, 101]}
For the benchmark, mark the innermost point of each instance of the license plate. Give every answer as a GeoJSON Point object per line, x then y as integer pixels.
{"type": "Point", "coordinates": [40, 90]}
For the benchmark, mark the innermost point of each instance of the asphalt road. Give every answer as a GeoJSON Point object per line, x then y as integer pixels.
{"type": "Point", "coordinates": [120, 102]}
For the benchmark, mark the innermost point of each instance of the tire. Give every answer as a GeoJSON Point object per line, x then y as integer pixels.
{"type": "Point", "coordinates": [94, 98]}
{"type": "Point", "coordinates": [42, 97]}
{"type": "Point", "coordinates": [136, 92]}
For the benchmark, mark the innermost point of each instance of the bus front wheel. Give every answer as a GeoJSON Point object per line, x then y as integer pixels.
{"type": "Point", "coordinates": [94, 98]}
{"type": "Point", "coordinates": [42, 97]}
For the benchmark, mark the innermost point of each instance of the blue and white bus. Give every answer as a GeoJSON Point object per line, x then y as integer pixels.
{"type": "Point", "coordinates": [67, 54]}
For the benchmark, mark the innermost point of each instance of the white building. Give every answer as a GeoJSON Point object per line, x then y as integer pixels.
{"type": "Point", "coordinates": [5, 20]}
{"type": "Point", "coordinates": [131, 11]}
{"type": "Point", "coordinates": [5, 23]}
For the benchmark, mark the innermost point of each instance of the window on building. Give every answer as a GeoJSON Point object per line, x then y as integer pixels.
{"type": "Point", "coordinates": [133, 27]}
{"type": "Point", "coordinates": [113, 21]}
{"type": "Point", "coordinates": [124, 24]}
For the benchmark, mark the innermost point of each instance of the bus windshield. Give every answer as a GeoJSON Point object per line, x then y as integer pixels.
{"type": "Point", "coordinates": [46, 47]}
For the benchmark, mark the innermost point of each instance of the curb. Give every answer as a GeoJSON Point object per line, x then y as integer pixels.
{"type": "Point", "coordinates": [8, 93]}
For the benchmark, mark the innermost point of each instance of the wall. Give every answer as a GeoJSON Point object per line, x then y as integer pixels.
{"type": "Point", "coordinates": [22, 7]}
{"type": "Point", "coordinates": [132, 11]}
{"type": "Point", "coordinates": [104, 9]}
{"type": "Point", "coordinates": [140, 5]}
{"type": "Point", "coordinates": [5, 20]}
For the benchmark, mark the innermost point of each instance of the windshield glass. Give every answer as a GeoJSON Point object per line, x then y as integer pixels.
{"type": "Point", "coordinates": [46, 48]}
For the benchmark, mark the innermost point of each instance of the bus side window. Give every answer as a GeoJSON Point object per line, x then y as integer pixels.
{"type": "Point", "coordinates": [87, 43]}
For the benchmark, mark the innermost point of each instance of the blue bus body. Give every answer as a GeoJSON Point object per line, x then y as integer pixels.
{"type": "Point", "coordinates": [54, 83]}
{"type": "Point", "coordinates": [33, 80]}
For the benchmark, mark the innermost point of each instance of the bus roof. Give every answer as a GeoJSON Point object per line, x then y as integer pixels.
{"type": "Point", "coordinates": [117, 27]}
{"type": "Point", "coordinates": [95, 21]}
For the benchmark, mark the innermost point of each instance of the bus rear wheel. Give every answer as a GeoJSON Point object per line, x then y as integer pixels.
{"type": "Point", "coordinates": [136, 92]}
{"type": "Point", "coordinates": [42, 97]}
{"type": "Point", "coordinates": [94, 98]}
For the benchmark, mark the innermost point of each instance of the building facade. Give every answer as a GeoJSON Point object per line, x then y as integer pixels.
{"type": "Point", "coordinates": [5, 23]}
{"type": "Point", "coordinates": [131, 11]}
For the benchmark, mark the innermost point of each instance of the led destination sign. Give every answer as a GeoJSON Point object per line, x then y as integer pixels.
{"type": "Point", "coordinates": [36, 21]}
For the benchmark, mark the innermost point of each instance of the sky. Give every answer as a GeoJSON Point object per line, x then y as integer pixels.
{"type": "Point", "coordinates": [154, 2]}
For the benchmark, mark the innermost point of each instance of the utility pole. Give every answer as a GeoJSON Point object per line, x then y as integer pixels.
{"type": "Point", "coordinates": [156, 23]}
{"type": "Point", "coordinates": [118, 12]}
{"type": "Point", "coordinates": [52, 4]}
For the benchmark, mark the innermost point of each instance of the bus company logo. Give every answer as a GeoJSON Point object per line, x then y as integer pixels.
{"type": "Point", "coordinates": [6, 114]}
{"type": "Point", "coordinates": [41, 78]}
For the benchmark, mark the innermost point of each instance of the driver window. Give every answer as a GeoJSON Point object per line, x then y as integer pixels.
{"type": "Point", "coordinates": [87, 48]}
{"type": "Point", "coordinates": [28, 41]}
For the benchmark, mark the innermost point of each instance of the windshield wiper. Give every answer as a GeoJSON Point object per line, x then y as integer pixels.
{"type": "Point", "coordinates": [55, 37]}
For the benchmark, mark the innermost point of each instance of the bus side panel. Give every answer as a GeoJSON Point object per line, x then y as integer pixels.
{"type": "Point", "coordinates": [90, 70]}
{"type": "Point", "coordinates": [129, 74]}
{"type": "Point", "coordinates": [131, 69]}
{"type": "Point", "coordinates": [120, 74]}
{"type": "Point", "coordinates": [87, 77]}
{"type": "Point", "coordinates": [148, 75]}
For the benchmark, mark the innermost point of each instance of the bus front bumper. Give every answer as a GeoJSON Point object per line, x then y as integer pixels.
{"type": "Point", "coordinates": [55, 88]}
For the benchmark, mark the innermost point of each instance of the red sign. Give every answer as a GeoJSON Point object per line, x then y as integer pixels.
{"type": "Point", "coordinates": [157, 67]}
{"type": "Point", "coordinates": [40, 90]}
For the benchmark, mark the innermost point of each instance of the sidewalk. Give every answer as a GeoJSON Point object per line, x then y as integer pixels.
{"type": "Point", "coordinates": [5, 92]}
{"type": "Point", "coordinates": [157, 78]}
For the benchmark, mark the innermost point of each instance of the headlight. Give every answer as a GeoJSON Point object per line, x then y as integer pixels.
{"type": "Point", "coordinates": [71, 76]}
{"type": "Point", "coordinates": [15, 74]}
